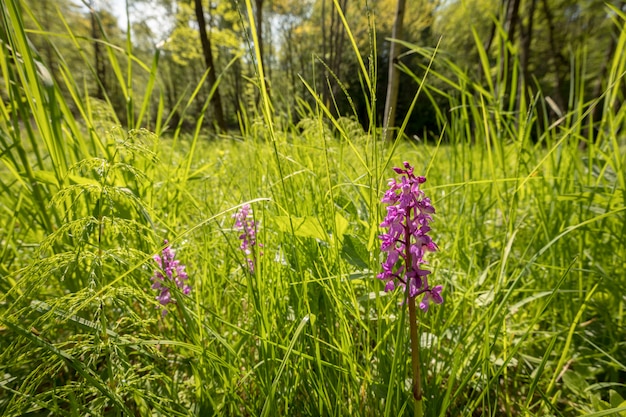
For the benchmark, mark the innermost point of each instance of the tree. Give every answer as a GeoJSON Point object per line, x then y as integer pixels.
{"type": "Point", "coordinates": [294, 28]}
{"type": "Point", "coordinates": [258, 18]}
{"type": "Point", "coordinates": [208, 59]}
{"type": "Point", "coordinates": [333, 44]}
{"type": "Point", "coordinates": [394, 78]}
{"type": "Point", "coordinates": [97, 52]}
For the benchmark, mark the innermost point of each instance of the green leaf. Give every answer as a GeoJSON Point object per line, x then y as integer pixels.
{"type": "Point", "coordinates": [341, 225]}
{"type": "Point", "coordinates": [615, 399]}
{"type": "Point", "coordinates": [302, 226]}
{"type": "Point", "coordinates": [46, 177]}
{"type": "Point", "coordinates": [574, 382]}
{"type": "Point", "coordinates": [610, 412]}
{"type": "Point", "coordinates": [355, 252]}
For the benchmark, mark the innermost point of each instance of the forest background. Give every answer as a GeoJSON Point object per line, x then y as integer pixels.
{"type": "Point", "coordinates": [305, 42]}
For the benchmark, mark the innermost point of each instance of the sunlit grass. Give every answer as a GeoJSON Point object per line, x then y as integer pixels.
{"type": "Point", "coordinates": [532, 245]}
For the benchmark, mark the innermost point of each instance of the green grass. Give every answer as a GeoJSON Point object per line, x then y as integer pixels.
{"type": "Point", "coordinates": [532, 245]}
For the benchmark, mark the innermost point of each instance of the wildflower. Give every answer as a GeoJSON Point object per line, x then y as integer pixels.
{"type": "Point", "coordinates": [407, 240]}
{"type": "Point", "coordinates": [247, 226]}
{"type": "Point", "coordinates": [169, 270]}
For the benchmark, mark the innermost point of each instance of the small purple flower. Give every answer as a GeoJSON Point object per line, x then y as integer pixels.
{"type": "Point", "coordinates": [433, 295]}
{"type": "Point", "coordinates": [247, 226]}
{"type": "Point", "coordinates": [169, 270]}
{"type": "Point", "coordinates": [407, 240]}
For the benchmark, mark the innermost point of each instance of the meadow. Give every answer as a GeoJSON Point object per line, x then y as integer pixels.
{"type": "Point", "coordinates": [530, 225]}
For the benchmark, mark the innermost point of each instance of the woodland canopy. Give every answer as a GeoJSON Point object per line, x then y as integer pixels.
{"type": "Point", "coordinates": [517, 48]}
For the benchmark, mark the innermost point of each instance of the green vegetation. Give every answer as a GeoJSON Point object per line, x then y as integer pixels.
{"type": "Point", "coordinates": [530, 223]}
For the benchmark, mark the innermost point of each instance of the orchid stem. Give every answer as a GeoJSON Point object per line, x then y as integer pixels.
{"type": "Point", "coordinates": [415, 359]}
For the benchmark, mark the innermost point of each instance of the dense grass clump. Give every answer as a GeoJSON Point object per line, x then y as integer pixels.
{"type": "Point", "coordinates": [531, 235]}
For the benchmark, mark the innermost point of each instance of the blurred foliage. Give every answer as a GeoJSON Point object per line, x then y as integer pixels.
{"type": "Point", "coordinates": [553, 43]}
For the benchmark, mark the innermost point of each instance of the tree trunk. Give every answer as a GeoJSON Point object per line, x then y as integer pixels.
{"type": "Point", "coordinates": [258, 17]}
{"type": "Point", "coordinates": [99, 61]}
{"type": "Point", "coordinates": [526, 34]}
{"type": "Point", "coordinates": [511, 16]}
{"type": "Point", "coordinates": [333, 38]}
{"type": "Point", "coordinates": [258, 21]}
{"type": "Point", "coordinates": [556, 59]}
{"type": "Point", "coordinates": [394, 76]}
{"type": "Point", "coordinates": [597, 92]}
{"type": "Point", "coordinates": [216, 101]}
{"type": "Point", "coordinates": [339, 39]}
